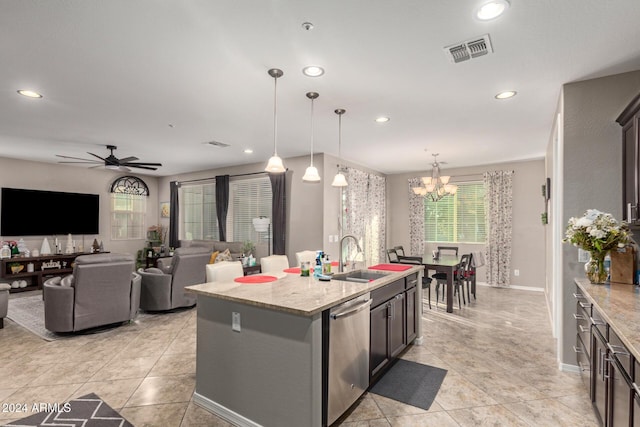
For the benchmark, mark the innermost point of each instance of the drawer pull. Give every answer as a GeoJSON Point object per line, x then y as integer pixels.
{"type": "Point", "coordinates": [618, 349]}
{"type": "Point", "coordinates": [578, 296]}
{"type": "Point", "coordinates": [583, 330]}
{"type": "Point", "coordinates": [583, 305]}
{"type": "Point", "coordinates": [636, 388]}
{"type": "Point", "coordinates": [576, 350]}
{"type": "Point", "coordinates": [597, 322]}
{"type": "Point", "coordinates": [583, 368]}
{"type": "Point", "coordinates": [578, 316]}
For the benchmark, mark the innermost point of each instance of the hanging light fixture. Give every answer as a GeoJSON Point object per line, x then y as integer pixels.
{"type": "Point", "coordinates": [436, 186]}
{"type": "Point", "coordinates": [339, 180]}
{"type": "Point", "coordinates": [311, 174]}
{"type": "Point", "coordinates": [275, 163]}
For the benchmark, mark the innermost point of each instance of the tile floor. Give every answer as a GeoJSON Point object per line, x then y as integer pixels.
{"type": "Point", "coordinates": [498, 351]}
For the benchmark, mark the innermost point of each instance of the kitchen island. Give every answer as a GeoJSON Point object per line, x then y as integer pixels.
{"type": "Point", "coordinates": [262, 349]}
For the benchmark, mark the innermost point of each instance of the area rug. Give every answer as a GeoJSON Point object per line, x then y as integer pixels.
{"type": "Point", "coordinates": [28, 312]}
{"type": "Point", "coordinates": [412, 383]}
{"type": "Point", "coordinates": [87, 411]}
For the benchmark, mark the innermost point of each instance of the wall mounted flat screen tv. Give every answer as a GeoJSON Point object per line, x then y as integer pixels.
{"type": "Point", "coordinates": [44, 213]}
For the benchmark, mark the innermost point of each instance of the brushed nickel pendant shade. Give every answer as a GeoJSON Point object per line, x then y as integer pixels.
{"type": "Point", "coordinates": [311, 174]}
{"type": "Point", "coordinates": [275, 164]}
{"type": "Point", "coordinates": [339, 180]}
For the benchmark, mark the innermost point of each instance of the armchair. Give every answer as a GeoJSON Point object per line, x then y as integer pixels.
{"type": "Point", "coordinates": [102, 290]}
{"type": "Point", "coordinates": [163, 289]}
{"type": "Point", "coordinates": [4, 302]}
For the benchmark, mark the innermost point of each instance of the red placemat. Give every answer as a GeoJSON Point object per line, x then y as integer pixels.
{"type": "Point", "coordinates": [390, 267]}
{"type": "Point", "coordinates": [295, 270]}
{"type": "Point", "coordinates": [334, 263]}
{"type": "Point", "coordinates": [256, 278]}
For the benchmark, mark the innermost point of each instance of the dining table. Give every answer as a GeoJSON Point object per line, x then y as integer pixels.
{"type": "Point", "coordinates": [443, 264]}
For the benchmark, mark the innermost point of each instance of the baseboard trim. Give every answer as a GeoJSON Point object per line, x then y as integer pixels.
{"type": "Point", "coordinates": [520, 288]}
{"type": "Point", "coordinates": [223, 412]}
{"type": "Point", "coordinates": [565, 367]}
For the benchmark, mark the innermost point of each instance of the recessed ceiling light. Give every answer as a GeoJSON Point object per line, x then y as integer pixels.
{"type": "Point", "coordinates": [506, 94]}
{"type": "Point", "coordinates": [307, 26]}
{"type": "Point", "coordinates": [492, 10]}
{"type": "Point", "coordinates": [171, 125]}
{"type": "Point", "coordinates": [29, 93]}
{"type": "Point", "coordinates": [248, 151]}
{"type": "Point", "coordinates": [382, 119]}
{"type": "Point", "coordinates": [313, 71]}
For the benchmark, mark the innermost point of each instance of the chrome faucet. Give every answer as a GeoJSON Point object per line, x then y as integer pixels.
{"type": "Point", "coordinates": [341, 263]}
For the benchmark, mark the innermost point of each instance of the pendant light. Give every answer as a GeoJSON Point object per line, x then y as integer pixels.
{"type": "Point", "coordinates": [275, 163]}
{"type": "Point", "coordinates": [311, 174]}
{"type": "Point", "coordinates": [339, 180]}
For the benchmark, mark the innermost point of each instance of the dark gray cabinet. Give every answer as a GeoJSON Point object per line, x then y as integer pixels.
{"type": "Point", "coordinates": [394, 317]}
{"type": "Point", "coordinates": [629, 119]}
{"type": "Point", "coordinates": [615, 397]}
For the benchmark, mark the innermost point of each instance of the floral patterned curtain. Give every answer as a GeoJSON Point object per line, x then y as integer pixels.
{"type": "Point", "coordinates": [416, 218]}
{"type": "Point", "coordinates": [498, 210]}
{"type": "Point", "coordinates": [365, 208]}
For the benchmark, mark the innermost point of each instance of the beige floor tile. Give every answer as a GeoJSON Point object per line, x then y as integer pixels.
{"type": "Point", "coordinates": [457, 392]}
{"type": "Point", "coordinates": [115, 392]}
{"type": "Point", "coordinates": [68, 373]}
{"type": "Point", "coordinates": [434, 419]}
{"type": "Point", "coordinates": [495, 416]}
{"type": "Point", "coordinates": [121, 368]}
{"type": "Point", "coordinates": [174, 364]}
{"type": "Point", "coordinates": [381, 422]}
{"type": "Point", "coordinates": [156, 390]}
{"type": "Point", "coordinates": [393, 408]}
{"type": "Point", "coordinates": [199, 417]}
{"type": "Point", "coordinates": [166, 415]}
{"type": "Point", "coordinates": [32, 397]}
{"type": "Point", "coordinates": [549, 412]}
{"type": "Point", "coordinates": [366, 409]}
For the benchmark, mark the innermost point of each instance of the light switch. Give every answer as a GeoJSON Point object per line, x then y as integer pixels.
{"type": "Point", "coordinates": [235, 321]}
{"type": "Point", "coordinates": [583, 256]}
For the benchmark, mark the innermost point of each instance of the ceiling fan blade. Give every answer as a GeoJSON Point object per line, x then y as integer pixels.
{"type": "Point", "coordinates": [135, 165]}
{"type": "Point", "coordinates": [141, 164]}
{"type": "Point", "coordinates": [95, 155]}
{"type": "Point", "coordinates": [75, 158]}
{"type": "Point", "coordinates": [90, 162]}
{"type": "Point", "coordinates": [128, 159]}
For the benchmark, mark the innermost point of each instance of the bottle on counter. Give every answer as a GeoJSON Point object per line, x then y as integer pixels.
{"type": "Point", "coordinates": [326, 265]}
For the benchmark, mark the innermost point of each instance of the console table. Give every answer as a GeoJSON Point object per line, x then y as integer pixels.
{"type": "Point", "coordinates": [36, 277]}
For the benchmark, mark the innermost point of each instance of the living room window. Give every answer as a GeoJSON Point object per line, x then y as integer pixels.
{"type": "Point", "coordinates": [457, 219]}
{"type": "Point", "coordinates": [248, 199]}
{"type": "Point", "coordinates": [127, 216]}
{"type": "Point", "coordinates": [199, 218]}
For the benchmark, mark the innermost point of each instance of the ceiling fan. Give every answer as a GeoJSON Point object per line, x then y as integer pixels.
{"type": "Point", "coordinates": [112, 162]}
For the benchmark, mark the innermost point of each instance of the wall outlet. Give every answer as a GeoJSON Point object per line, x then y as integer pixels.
{"type": "Point", "coordinates": [235, 321]}
{"type": "Point", "coordinates": [516, 272]}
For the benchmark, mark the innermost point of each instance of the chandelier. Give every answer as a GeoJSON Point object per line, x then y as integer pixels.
{"type": "Point", "coordinates": [436, 186]}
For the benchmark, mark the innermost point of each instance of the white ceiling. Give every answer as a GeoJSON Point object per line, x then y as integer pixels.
{"type": "Point", "coordinates": [120, 71]}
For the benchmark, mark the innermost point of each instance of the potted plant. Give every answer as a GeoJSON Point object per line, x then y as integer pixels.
{"type": "Point", "coordinates": [16, 267]}
{"type": "Point", "coordinates": [248, 248]}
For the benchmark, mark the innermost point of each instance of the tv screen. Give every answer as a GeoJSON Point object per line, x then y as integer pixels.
{"type": "Point", "coordinates": [43, 213]}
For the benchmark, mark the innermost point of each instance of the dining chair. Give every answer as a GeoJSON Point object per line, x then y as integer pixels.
{"type": "Point", "coordinates": [399, 250]}
{"type": "Point", "coordinates": [274, 264]}
{"type": "Point", "coordinates": [426, 280]}
{"type": "Point", "coordinates": [477, 260]}
{"type": "Point", "coordinates": [452, 250]}
{"type": "Point", "coordinates": [457, 280]}
{"type": "Point", "coordinates": [307, 255]}
{"type": "Point", "coordinates": [224, 271]}
{"type": "Point", "coordinates": [392, 255]}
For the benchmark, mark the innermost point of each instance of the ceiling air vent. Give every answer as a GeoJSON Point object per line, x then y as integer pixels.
{"type": "Point", "coordinates": [217, 144]}
{"type": "Point", "coordinates": [469, 49]}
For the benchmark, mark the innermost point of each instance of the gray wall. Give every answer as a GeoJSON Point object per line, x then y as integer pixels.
{"type": "Point", "coordinates": [52, 177]}
{"type": "Point", "coordinates": [528, 232]}
{"type": "Point", "coordinates": [592, 168]}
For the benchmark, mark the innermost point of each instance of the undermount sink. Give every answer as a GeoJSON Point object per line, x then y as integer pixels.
{"type": "Point", "coordinates": [362, 276]}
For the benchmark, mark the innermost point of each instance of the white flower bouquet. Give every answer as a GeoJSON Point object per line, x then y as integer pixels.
{"type": "Point", "coordinates": [597, 232]}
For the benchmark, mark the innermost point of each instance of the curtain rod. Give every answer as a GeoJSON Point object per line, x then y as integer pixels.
{"type": "Point", "coordinates": [213, 177]}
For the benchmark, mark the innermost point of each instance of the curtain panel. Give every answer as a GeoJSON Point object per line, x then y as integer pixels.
{"type": "Point", "coordinates": [416, 219]}
{"type": "Point", "coordinates": [174, 226]}
{"type": "Point", "coordinates": [278, 212]}
{"type": "Point", "coordinates": [365, 213]}
{"type": "Point", "coordinates": [222, 204]}
{"type": "Point", "coordinates": [499, 212]}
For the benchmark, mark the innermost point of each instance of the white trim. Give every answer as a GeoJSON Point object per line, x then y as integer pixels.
{"type": "Point", "coordinates": [565, 367]}
{"type": "Point", "coordinates": [520, 288]}
{"type": "Point", "coordinates": [557, 211]}
{"type": "Point", "coordinates": [223, 412]}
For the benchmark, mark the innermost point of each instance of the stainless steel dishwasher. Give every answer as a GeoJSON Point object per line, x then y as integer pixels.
{"type": "Point", "coordinates": [348, 354]}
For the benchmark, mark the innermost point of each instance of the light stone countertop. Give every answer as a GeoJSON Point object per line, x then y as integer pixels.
{"type": "Point", "coordinates": [619, 306]}
{"type": "Point", "coordinates": [304, 296]}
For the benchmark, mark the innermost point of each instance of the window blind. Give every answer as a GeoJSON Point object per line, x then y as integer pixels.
{"type": "Point", "coordinates": [198, 207]}
{"type": "Point", "coordinates": [249, 198]}
{"type": "Point", "coordinates": [127, 216]}
{"type": "Point", "coordinates": [457, 219]}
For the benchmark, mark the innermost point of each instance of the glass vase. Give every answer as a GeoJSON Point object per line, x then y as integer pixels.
{"type": "Point", "coordinates": [596, 273]}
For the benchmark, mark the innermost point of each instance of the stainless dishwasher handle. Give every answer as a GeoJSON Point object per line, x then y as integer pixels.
{"type": "Point", "coordinates": [630, 208]}
{"type": "Point", "coordinates": [636, 388]}
{"type": "Point", "coordinates": [353, 309]}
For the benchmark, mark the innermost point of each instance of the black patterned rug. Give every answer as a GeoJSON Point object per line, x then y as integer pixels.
{"type": "Point", "coordinates": [87, 411]}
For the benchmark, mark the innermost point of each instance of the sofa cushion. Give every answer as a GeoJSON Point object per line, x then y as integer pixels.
{"type": "Point", "coordinates": [224, 256]}
{"type": "Point", "coordinates": [213, 257]}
